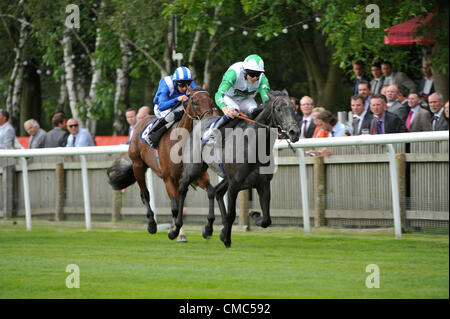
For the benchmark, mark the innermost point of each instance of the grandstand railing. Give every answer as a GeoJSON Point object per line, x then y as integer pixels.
{"type": "Point", "coordinates": [387, 139]}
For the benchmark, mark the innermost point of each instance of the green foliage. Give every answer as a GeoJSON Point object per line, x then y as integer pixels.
{"type": "Point", "coordinates": [275, 29]}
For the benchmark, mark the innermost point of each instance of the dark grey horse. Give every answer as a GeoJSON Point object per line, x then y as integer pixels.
{"type": "Point", "coordinates": [243, 157]}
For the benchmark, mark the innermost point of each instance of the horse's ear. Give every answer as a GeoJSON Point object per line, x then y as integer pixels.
{"type": "Point", "coordinates": [270, 95]}
{"type": "Point", "coordinates": [190, 89]}
{"type": "Point", "coordinates": [285, 92]}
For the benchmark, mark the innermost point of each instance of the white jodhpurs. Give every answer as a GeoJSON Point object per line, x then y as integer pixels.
{"type": "Point", "coordinates": [246, 105]}
{"type": "Point", "coordinates": [165, 113]}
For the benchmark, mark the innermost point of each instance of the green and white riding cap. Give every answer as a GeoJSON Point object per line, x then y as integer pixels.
{"type": "Point", "coordinates": [254, 62]}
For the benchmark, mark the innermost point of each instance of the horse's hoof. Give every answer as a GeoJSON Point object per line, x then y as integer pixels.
{"type": "Point", "coordinates": [266, 224]}
{"type": "Point", "coordinates": [152, 228]}
{"type": "Point", "coordinates": [182, 238]}
{"type": "Point", "coordinates": [227, 244]}
{"type": "Point", "coordinates": [173, 234]}
{"type": "Point", "coordinates": [207, 232]}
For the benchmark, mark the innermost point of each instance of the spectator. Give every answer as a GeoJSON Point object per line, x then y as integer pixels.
{"type": "Point", "coordinates": [426, 87]}
{"type": "Point", "coordinates": [307, 125]}
{"type": "Point", "coordinates": [391, 77]}
{"type": "Point", "coordinates": [384, 122]}
{"type": "Point", "coordinates": [418, 119]}
{"type": "Point", "coordinates": [7, 132]}
{"type": "Point", "coordinates": [142, 112]}
{"type": "Point", "coordinates": [446, 113]}
{"type": "Point", "coordinates": [436, 102]}
{"type": "Point", "coordinates": [327, 121]}
{"type": "Point", "coordinates": [130, 114]}
{"type": "Point", "coordinates": [36, 133]}
{"type": "Point", "coordinates": [358, 69]}
{"type": "Point", "coordinates": [402, 94]}
{"type": "Point", "coordinates": [78, 136]}
{"type": "Point", "coordinates": [298, 116]}
{"type": "Point", "coordinates": [56, 137]}
{"type": "Point", "coordinates": [377, 83]}
{"type": "Point", "coordinates": [318, 132]}
{"type": "Point", "coordinates": [394, 106]}
{"type": "Point", "coordinates": [361, 117]}
{"type": "Point", "coordinates": [364, 90]}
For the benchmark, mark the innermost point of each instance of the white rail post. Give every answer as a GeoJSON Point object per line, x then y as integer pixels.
{"type": "Point", "coordinates": [395, 194]}
{"type": "Point", "coordinates": [151, 190]}
{"type": "Point", "coordinates": [304, 188]}
{"type": "Point", "coordinates": [87, 204]}
{"type": "Point", "coordinates": [26, 192]}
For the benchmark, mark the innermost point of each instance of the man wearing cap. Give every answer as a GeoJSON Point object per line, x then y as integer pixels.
{"type": "Point", "coordinates": [172, 92]}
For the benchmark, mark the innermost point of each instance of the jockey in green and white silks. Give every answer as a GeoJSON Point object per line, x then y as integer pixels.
{"type": "Point", "coordinates": [240, 84]}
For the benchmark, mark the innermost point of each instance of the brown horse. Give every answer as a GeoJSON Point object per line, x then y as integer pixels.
{"type": "Point", "coordinates": [120, 175]}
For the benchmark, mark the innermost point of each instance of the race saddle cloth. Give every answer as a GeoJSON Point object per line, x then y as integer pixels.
{"type": "Point", "coordinates": [209, 127]}
{"type": "Point", "coordinates": [145, 133]}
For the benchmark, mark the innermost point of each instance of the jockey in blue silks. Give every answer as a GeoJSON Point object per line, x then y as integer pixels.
{"type": "Point", "coordinates": [172, 92]}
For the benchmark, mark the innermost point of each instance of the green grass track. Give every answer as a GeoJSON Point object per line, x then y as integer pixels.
{"type": "Point", "coordinates": [130, 263]}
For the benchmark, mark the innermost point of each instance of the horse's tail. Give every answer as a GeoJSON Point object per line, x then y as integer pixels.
{"type": "Point", "coordinates": [120, 174]}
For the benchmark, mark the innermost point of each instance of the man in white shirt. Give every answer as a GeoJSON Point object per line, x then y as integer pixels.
{"type": "Point", "coordinates": [361, 117]}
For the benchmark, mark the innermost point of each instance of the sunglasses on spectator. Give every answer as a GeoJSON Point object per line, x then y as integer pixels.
{"type": "Point", "coordinates": [253, 74]}
{"type": "Point", "coordinates": [73, 125]}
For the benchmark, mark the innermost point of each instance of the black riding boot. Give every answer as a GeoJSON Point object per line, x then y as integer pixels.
{"type": "Point", "coordinates": [158, 129]}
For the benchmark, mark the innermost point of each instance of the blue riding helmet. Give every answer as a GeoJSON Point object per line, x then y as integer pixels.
{"type": "Point", "coordinates": [182, 73]}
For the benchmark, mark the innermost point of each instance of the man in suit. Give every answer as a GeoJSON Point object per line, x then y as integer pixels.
{"type": "Point", "coordinates": [358, 69]}
{"type": "Point", "coordinates": [36, 133]}
{"type": "Point", "coordinates": [438, 122]}
{"type": "Point", "coordinates": [361, 117]}
{"type": "Point", "coordinates": [306, 123]}
{"type": "Point", "coordinates": [384, 122]}
{"type": "Point", "coordinates": [394, 106]}
{"type": "Point", "coordinates": [426, 87]}
{"type": "Point", "coordinates": [378, 78]}
{"type": "Point", "coordinates": [419, 119]}
{"type": "Point", "coordinates": [391, 77]}
{"type": "Point", "coordinates": [56, 137]}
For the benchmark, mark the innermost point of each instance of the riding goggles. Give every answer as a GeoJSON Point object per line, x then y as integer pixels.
{"type": "Point", "coordinates": [253, 74]}
{"type": "Point", "coordinates": [183, 84]}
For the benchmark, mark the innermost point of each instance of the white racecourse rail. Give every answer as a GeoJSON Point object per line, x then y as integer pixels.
{"type": "Point", "coordinates": [386, 139]}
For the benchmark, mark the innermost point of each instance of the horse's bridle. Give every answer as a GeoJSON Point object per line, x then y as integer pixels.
{"type": "Point", "coordinates": [192, 104]}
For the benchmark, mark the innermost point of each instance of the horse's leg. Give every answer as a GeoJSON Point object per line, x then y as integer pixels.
{"type": "Point", "coordinates": [264, 201]}
{"type": "Point", "coordinates": [208, 230]}
{"type": "Point", "coordinates": [220, 191]}
{"type": "Point", "coordinates": [177, 215]}
{"type": "Point", "coordinates": [225, 236]}
{"type": "Point", "coordinates": [172, 191]}
{"type": "Point", "coordinates": [139, 169]}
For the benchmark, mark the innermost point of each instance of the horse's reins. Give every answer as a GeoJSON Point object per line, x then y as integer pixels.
{"type": "Point", "coordinates": [197, 117]}
{"type": "Point", "coordinates": [239, 114]}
